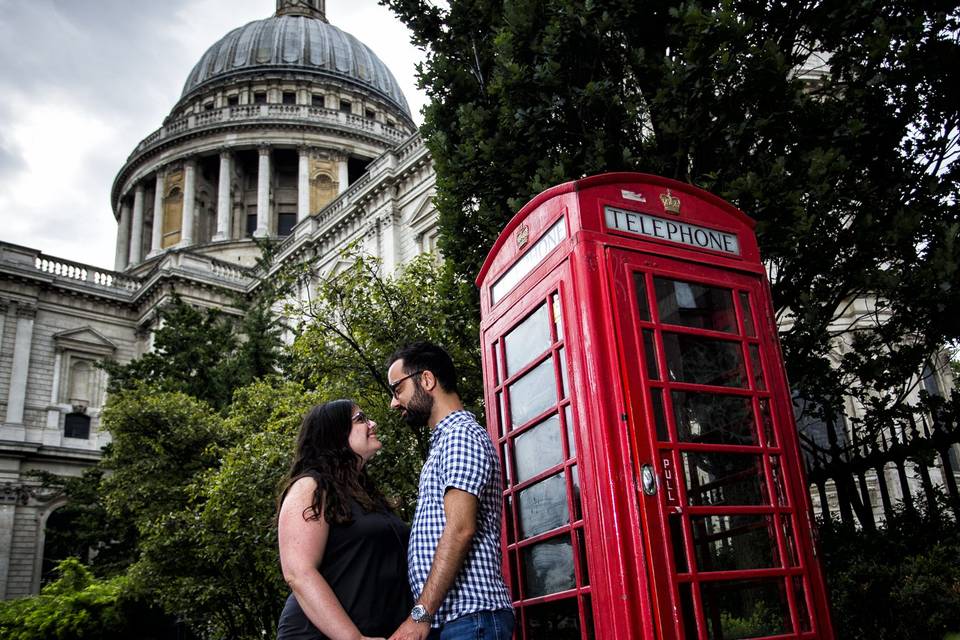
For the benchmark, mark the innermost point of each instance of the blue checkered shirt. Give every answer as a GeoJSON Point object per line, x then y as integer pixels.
{"type": "Point", "coordinates": [461, 457]}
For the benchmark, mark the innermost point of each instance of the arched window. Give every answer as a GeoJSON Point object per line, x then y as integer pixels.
{"type": "Point", "coordinates": [60, 542]}
{"type": "Point", "coordinates": [76, 425]}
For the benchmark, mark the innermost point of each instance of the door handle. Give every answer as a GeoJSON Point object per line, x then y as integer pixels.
{"type": "Point", "coordinates": [648, 480]}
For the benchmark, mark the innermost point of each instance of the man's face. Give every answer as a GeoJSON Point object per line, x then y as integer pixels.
{"type": "Point", "coordinates": [409, 398]}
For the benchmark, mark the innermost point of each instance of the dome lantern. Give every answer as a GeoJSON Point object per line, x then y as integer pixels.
{"type": "Point", "coordinates": [308, 8]}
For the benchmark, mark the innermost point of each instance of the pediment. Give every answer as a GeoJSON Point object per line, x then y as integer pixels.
{"type": "Point", "coordinates": [424, 214]}
{"type": "Point", "coordinates": [85, 339]}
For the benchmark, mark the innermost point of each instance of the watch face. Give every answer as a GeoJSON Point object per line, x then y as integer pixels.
{"type": "Point", "coordinates": [419, 613]}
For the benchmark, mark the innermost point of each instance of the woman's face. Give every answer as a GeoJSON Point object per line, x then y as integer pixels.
{"type": "Point", "coordinates": [363, 437]}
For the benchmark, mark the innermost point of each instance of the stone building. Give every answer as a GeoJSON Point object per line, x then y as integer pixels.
{"type": "Point", "coordinates": [287, 128]}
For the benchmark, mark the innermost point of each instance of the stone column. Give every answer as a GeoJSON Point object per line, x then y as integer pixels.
{"type": "Point", "coordinates": [390, 240]}
{"type": "Point", "coordinates": [17, 393]}
{"type": "Point", "coordinates": [303, 185]}
{"type": "Point", "coordinates": [136, 235]}
{"type": "Point", "coordinates": [263, 194]}
{"type": "Point", "coordinates": [123, 238]}
{"type": "Point", "coordinates": [343, 175]}
{"type": "Point", "coordinates": [189, 202]}
{"type": "Point", "coordinates": [224, 205]}
{"type": "Point", "coordinates": [52, 433]}
{"type": "Point", "coordinates": [156, 240]}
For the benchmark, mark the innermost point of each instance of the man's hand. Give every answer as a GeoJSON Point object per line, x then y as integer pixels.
{"type": "Point", "coordinates": [411, 630]}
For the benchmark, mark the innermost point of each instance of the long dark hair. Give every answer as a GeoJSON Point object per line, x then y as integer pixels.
{"type": "Point", "coordinates": [324, 454]}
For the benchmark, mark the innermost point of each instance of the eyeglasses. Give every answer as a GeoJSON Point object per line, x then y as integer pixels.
{"type": "Point", "coordinates": [396, 385]}
{"type": "Point", "coordinates": [360, 417]}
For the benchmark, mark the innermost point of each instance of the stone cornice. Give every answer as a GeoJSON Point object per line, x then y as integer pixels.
{"type": "Point", "coordinates": [244, 117]}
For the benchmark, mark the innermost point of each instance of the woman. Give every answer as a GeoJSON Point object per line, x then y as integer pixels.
{"type": "Point", "coordinates": [343, 552]}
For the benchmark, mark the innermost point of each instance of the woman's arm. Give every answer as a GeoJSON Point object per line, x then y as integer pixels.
{"type": "Point", "coordinates": [302, 543]}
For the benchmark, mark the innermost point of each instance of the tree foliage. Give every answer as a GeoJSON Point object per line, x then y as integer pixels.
{"type": "Point", "coordinates": [203, 353]}
{"type": "Point", "coordinates": [845, 159]}
{"type": "Point", "coordinates": [900, 580]}
{"type": "Point", "coordinates": [77, 606]}
{"type": "Point", "coordinates": [355, 319]}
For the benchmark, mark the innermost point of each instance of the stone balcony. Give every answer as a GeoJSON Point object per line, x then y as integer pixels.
{"type": "Point", "coordinates": [265, 115]}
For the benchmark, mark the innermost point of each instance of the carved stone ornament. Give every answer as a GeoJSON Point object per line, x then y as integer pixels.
{"type": "Point", "coordinates": [25, 310]}
{"type": "Point", "coordinates": [20, 494]}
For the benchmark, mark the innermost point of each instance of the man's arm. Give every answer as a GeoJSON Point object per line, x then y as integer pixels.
{"type": "Point", "coordinates": [460, 509]}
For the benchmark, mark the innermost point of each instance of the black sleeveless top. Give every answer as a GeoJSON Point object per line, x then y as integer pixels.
{"type": "Point", "coordinates": [365, 563]}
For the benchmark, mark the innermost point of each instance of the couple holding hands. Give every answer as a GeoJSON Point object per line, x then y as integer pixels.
{"type": "Point", "coordinates": [356, 571]}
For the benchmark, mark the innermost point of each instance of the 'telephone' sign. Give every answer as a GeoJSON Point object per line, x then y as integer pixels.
{"type": "Point", "coordinates": [671, 230]}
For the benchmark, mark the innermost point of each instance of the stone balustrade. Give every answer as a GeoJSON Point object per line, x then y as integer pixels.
{"type": "Point", "coordinates": [266, 114]}
{"type": "Point", "coordinates": [26, 260]}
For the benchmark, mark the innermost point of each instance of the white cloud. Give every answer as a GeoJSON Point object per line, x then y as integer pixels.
{"type": "Point", "coordinates": [81, 83]}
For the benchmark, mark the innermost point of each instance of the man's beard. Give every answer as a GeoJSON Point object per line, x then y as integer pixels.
{"type": "Point", "coordinates": [418, 410]}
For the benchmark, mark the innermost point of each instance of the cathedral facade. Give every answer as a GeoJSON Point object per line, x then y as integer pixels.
{"type": "Point", "coordinates": [287, 129]}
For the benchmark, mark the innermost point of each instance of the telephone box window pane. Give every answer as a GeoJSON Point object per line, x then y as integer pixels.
{"type": "Point", "coordinates": [548, 568]}
{"type": "Point", "coordinates": [799, 596]}
{"type": "Point", "coordinates": [557, 620]}
{"type": "Point", "coordinates": [676, 540]}
{"type": "Point", "coordinates": [514, 584]}
{"type": "Point", "coordinates": [686, 611]}
{"type": "Point", "coordinates": [704, 361]}
{"type": "Point", "coordinates": [643, 306]}
{"type": "Point", "coordinates": [714, 478]}
{"type": "Point", "coordinates": [532, 394]}
{"type": "Point", "coordinates": [496, 362]}
{"type": "Point", "coordinates": [767, 420]}
{"type": "Point", "coordinates": [758, 380]}
{"type": "Point", "coordinates": [734, 542]}
{"type": "Point", "coordinates": [584, 571]}
{"type": "Point", "coordinates": [575, 480]}
{"type": "Point", "coordinates": [571, 442]}
{"type": "Point", "coordinates": [527, 340]}
{"type": "Point", "coordinates": [714, 418]}
{"type": "Point", "coordinates": [500, 426]}
{"type": "Point", "coordinates": [788, 539]}
{"type": "Point", "coordinates": [747, 314]}
{"type": "Point", "coordinates": [507, 472]}
{"type": "Point", "coordinates": [588, 618]}
{"type": "Point", "coordinates": [543, 506]}
{"type": "Point", "coordinates": [653, 371]}
{"type": "Point", "coordinates": [538, 449]}
{"type": "Point", "coordinates": [557, 315]}
{"type": "Point", "coordinates": [562, 363]}
{"type": "Point", "coordinates": [745, 609]}
{"type": "Point", "coordinates": [691, 304]}
{"type": "Point", "coordinates": [659, 416]}
{"type": "Point", "coordinates": [778, 481]}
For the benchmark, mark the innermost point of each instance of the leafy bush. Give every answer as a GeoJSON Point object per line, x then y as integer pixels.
{"type": "Point", "coordinates": [901, 581]}
{"type": "Point", "coordinates": [78, 606]}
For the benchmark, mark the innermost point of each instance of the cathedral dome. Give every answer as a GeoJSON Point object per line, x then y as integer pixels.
{"type": "Point", "coordinates": [300, 44]}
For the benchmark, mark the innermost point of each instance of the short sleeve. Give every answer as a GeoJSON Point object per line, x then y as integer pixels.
{"type": "Point", "coordinates": [465, 463]}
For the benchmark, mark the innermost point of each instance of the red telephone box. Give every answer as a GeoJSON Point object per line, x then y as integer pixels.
{"type": "Point", "coordinates": [636, 391]}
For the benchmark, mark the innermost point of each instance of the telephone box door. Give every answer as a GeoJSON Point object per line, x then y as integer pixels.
{"type": "Point", "coordinates": [722, 513]}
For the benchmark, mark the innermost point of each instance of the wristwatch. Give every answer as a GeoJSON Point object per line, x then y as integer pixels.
{"type": "Point", "coordinates": [419, 614]}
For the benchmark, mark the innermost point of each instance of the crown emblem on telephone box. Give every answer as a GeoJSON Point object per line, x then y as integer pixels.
{"type": "Point", "coordinates": [671, 203]}
{"type": "Point", "coordinates": [523, 235]}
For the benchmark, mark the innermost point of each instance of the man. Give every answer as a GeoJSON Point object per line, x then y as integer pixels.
{"type": "Point", "coordinates": [454, 555]}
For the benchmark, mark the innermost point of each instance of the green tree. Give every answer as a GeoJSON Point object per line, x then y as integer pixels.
{"type": "Point", "coordinates": [847, 161]}
{"type": "Point", "coordinates": [76, 606]}
{"type": "Point", "coordinates": [203, 353]}
{"type": "Point", "coordinates": [355, 320]}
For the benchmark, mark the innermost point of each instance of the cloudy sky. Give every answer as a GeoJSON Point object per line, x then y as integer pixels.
{"type": "Point", "coordinates": [83, 81]}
